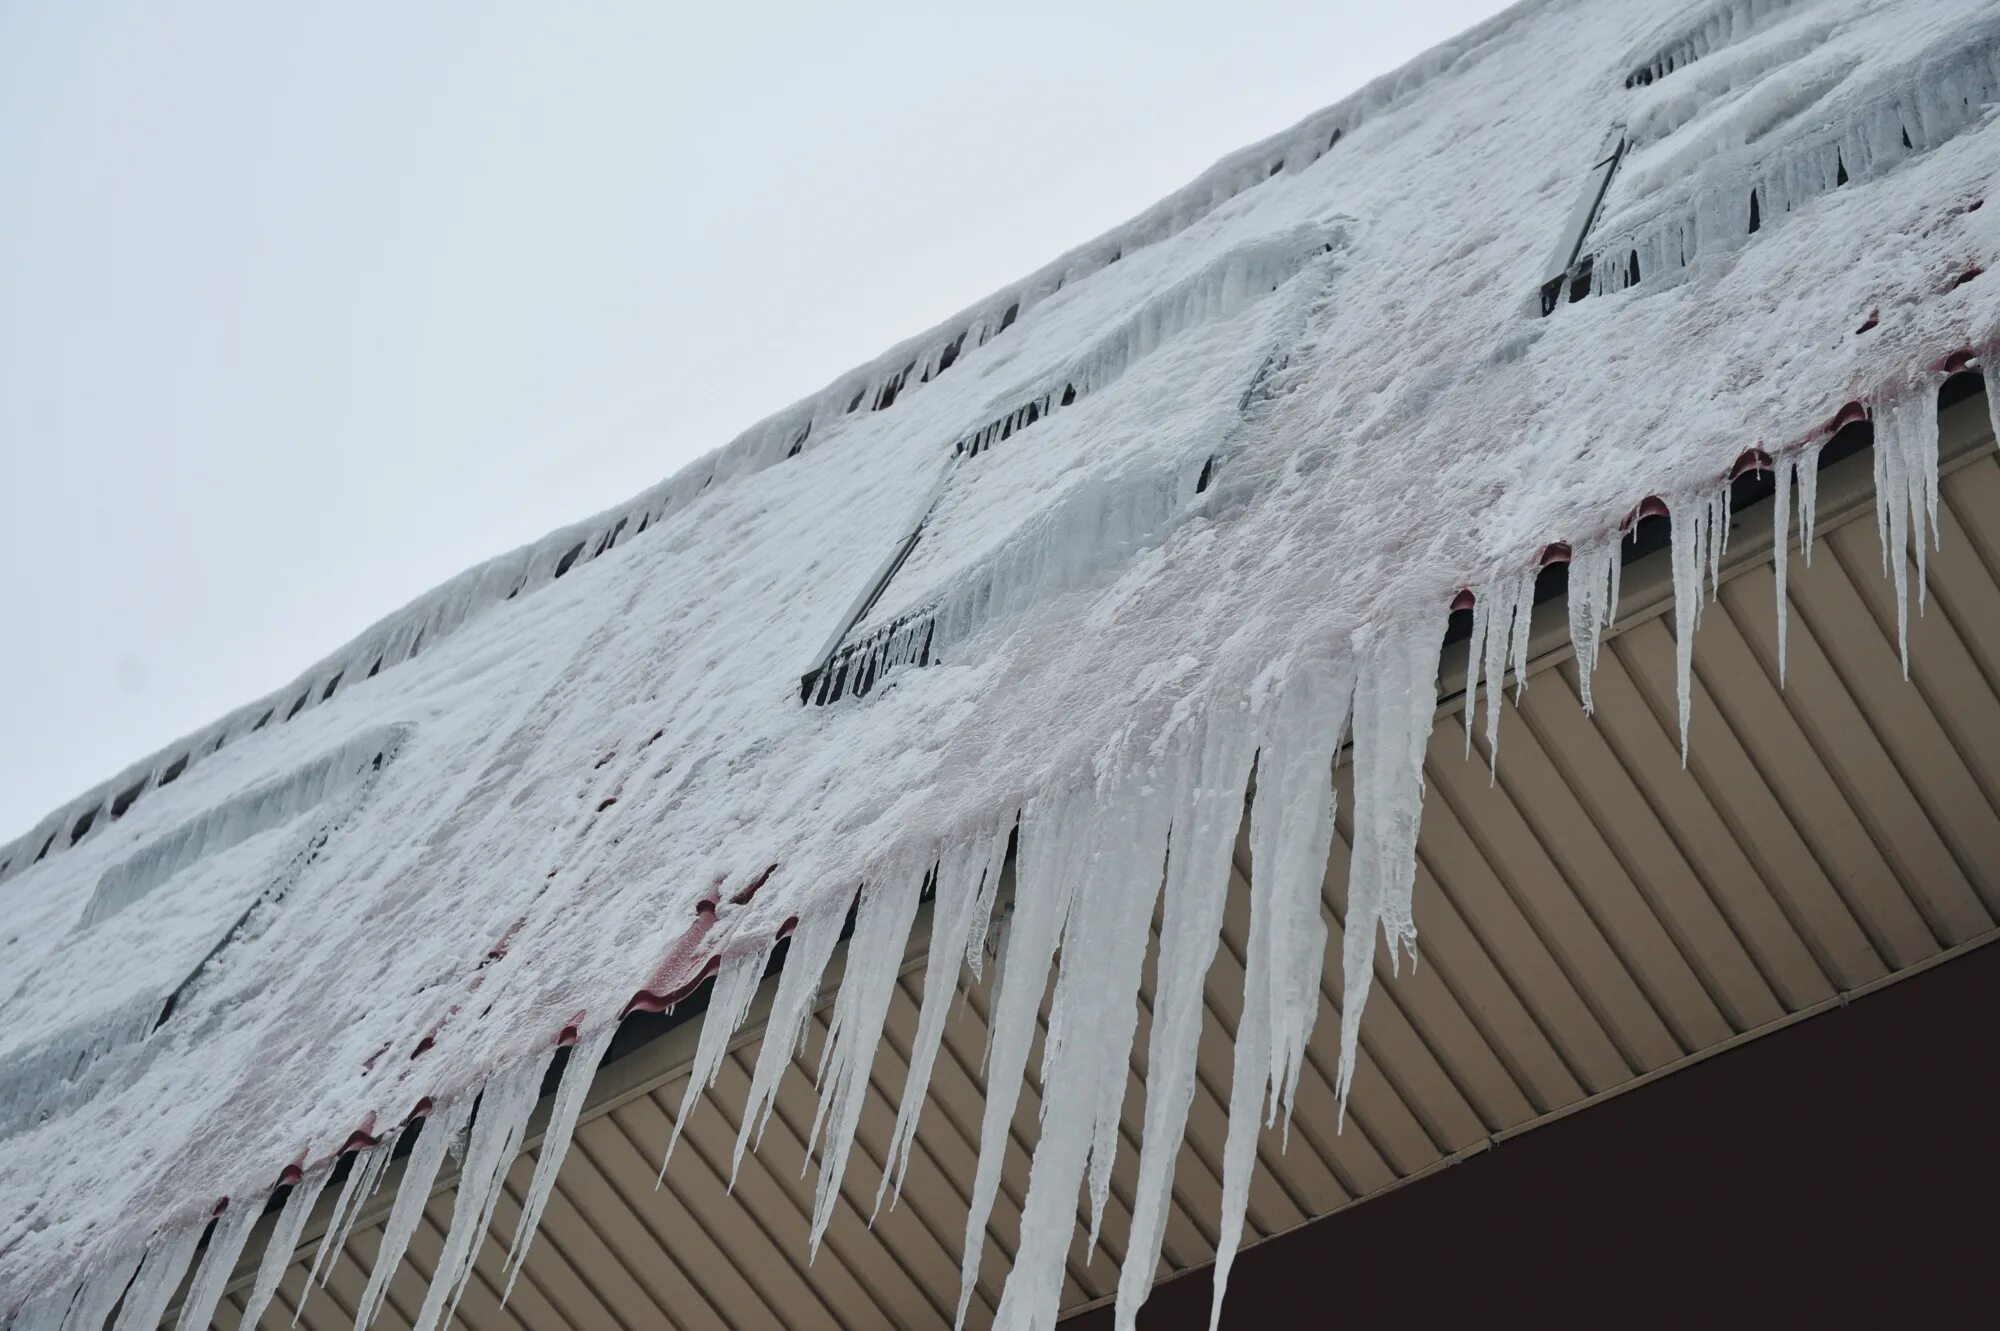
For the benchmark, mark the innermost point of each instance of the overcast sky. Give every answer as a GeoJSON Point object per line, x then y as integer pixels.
{"type": "Point", "coordinates": [305, 308]}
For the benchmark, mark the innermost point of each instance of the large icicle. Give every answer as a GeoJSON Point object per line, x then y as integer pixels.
{"type": "Point", "coordinates": [1291, 834]}
{"type": "Point", "coordinates": [100, 1292]}
{"type": "Point", "coordinates": [1052, 831]}
{"type": "Point", "coordinates": [729, 999]}
{"type": "Point", "coordinates": [159, 1276]}
{"type": "Point", "coordinates": [504, 1108]}
{"type": "Point", "coordinates": [284, 1242]}
{"type": "Point", "coordinates": [1087, 1054]}
{"type": "Point", "coordinates": [1121, 881]}
{"type": "Point", "coordinates": [1209, 810]}
{"type": "Point", "coordinates": [966, 877]}
{"type": "Point", "coordinates": [811, 947]}
{"type": "Point", "coordinates": [1593, 606]}
{"type": "Point", "coordinates": [1395, 695]}
{"type": "Point", "coordinates": [364, 1173]}
{"type": "Point", "coordinates": [1906, 495]}
{"type": "Point", "coordinates": [1002, 928]}
{"type": "Point", "coordinates": [881, 935]}
{"type": "Point", "coordinates": [1700, 530]}
{"type": "Point", "coordinates": [420, 1170]}
{"type": "Point", "coordinates": [578, 1073]}
{"type": "Point", "coordinates": [225, 1246]}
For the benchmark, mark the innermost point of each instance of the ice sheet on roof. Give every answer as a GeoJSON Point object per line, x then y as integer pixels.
{"type": "Point", "coordinates": [606, 779]}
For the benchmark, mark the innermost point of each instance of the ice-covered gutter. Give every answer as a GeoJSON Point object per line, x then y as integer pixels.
{"type": "Point", "coordinates": [605, 792]}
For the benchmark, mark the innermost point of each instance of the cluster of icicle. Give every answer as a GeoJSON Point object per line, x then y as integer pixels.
{"type": "Point", "coordinates": [1947, 96]}
{"type": "Point", "coordinates": [1104, 520]}
{"type": "Point", "coordinates": [236, 820]}
{"type": "Point", "coordinates": [1722, 23]}
{"type": "Point", "coordinates": [1157, 829]}
{"type": "Point", "coordinates": [1220, 290]}
{"type": "Point", "coordinates": [1094, 528]}
{"type": "Point", "coordinates": [451, 606]}
{"type": "Point", "coordinates": [485, 1145]}
{"type": "Point", "coordinates": [75, 1064]}
{"type": "Point", "coordinates": [389, 643]}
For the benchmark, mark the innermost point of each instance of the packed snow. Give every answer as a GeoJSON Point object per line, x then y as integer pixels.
{"type": "Point", "coordinates": [1315, 399]}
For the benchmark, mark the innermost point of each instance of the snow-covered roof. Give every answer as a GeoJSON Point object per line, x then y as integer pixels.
{"type": "Point", "coordinates": [1196, 496]}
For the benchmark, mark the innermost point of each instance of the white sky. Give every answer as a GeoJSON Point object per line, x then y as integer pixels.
{"type": "Point", "coordinates": [303, 312]}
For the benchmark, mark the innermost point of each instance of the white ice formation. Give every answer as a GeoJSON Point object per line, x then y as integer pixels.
{"type": "Point", "coordinates": [1310, 398]}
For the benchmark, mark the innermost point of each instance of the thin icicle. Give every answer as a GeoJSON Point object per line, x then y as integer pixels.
{"type": "Point", "coordinates": [1475, 655]}
{"type": "Point", "coordinates": [578, 1073]}
{"type": "Point", "coordinates": [966, 877]}
{"type": "Point", "coordinates": [504, 1108]}
{"type": "Point", "coordinates": [1718, 541]}
{"type": "Point", "coordinates": [881, 936]}
{"type": "Point", "coordinates": [1210, 809]}
{"type": "Point", "coordinates": [1052, 829]}
{"type": "Point", "coordinates": [159, 1276]}
{"type": "Point", "coordinates": [1523, 626]}
{"type": "Point", "coordinates": [93, 1303]}
{"type": "Point", "coordinates": [1291, 834]}
{"type": "Point", "coordinates": [343, 1203]}
{"type": "Point", "coordinates": [1801, 474]}
{"type": "Point", "coordinates": [1992, 398]}
{"type": "Point", "coordinates": [1807, 478]}
{"type": "Point", "coordinates": [364, 1173]}
{"type": "Point", "coordinates": [420, 1170]}
{"type": "Point", "coordinates": [729, 1001]}
{"type": "Point", "coordinates": [981, 925]}
{"type": "Point", "coordinates": [798, 985]}
{"type": "Point", "coordinates": [1503, 644]}
{"type": "Point", "coordinates": [1593, 599]}
{"type": "Point", "coordinates": [284, 1242]}
{"type": "Point", "coordinates": [225, 1246]}
{"type": "Point", "coordinates": [1395, 695]}
{"type": "Point", "coordinates": [1498, 629]}
{"type": "Point", "coordinates": [1697, 550]}
{"type": "Point", "coordinates": [1087, 1053]}
{"type": "Point", "coordinates": [1892, 515]}
{"type": "Point", "coordinates": [1906, 503]}
{"type": "Point", "coordinates": [1781, 513]}
{"type": "Point", "coordinates": [1611, 604]}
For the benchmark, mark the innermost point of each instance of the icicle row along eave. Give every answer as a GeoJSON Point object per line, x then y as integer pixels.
{"type": "Point", "coordinates": [1699, 560]}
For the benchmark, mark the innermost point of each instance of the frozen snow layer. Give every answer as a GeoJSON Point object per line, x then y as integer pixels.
{"type": "Point", "coordinates": [602, 788]}
{"type": "Point", "coordinates": [1778, 117]}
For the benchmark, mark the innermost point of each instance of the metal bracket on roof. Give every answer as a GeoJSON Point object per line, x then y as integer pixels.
{"type": "Point", "coordinates": [1566, 265]}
